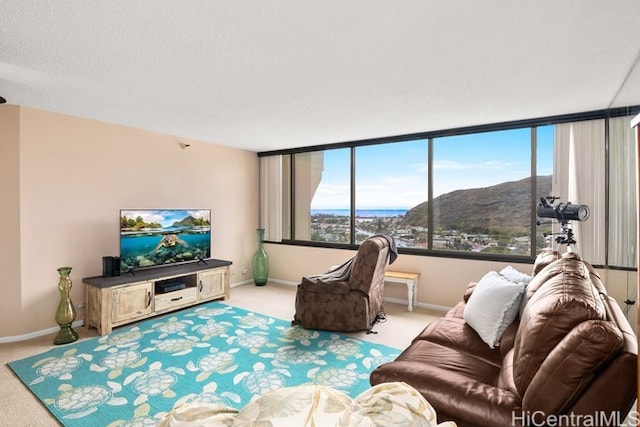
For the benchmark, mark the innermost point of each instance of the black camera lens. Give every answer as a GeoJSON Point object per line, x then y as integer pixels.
{"type": "Point", "coordinates": [576, 212]}
{"type": "Point", "coordinates": [563, 211]}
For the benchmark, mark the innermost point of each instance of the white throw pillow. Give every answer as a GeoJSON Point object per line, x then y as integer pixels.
{"type": "Point", "coordinates": [493, 306]}
{"type": "Point", "coordinates": [514, 275]}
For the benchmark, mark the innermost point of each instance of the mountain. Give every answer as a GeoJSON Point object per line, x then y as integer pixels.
{"type": "Point", "coordinates": [190, 221]}
{"type": "Point", "coordinates": [506, 205]}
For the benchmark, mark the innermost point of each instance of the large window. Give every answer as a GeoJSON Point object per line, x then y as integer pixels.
{"type": "Point", "coordinates": [322, 196]}
{"type": "Point", "coordinates": [390, 188]}
{"type": "Point", "coordinates": [545, 137]}
{"type": "Point", "coordinates": [482, 192]}
{"type": "Point", "coordinates": [470, 193]}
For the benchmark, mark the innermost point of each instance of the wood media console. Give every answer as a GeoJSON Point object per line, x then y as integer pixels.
{"type": "Point", "coordinates": [118, 300]}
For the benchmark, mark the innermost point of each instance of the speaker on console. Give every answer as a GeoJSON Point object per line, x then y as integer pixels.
{"type": "Point", "coordinates": [110, 266]}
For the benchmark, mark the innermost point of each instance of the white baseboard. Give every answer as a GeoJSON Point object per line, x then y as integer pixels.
{"type": "Point", "coordinates": [284, 282]}
{"type": "Point", "coordinates": [427, 306]}
{"type": "Point", "coordinates": [36, 334]}
{"type": "Point", "coordinates": [433, 307]}
{"type": "Point", "coordinates": [244, 282]}
{"type": "Point", "coordinates": [250, 282]}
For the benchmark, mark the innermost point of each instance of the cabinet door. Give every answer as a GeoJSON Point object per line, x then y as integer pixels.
{"type": "Point", "coordinates": [132, 302]}
{"type": "Point", "coordinates": [211, 284]}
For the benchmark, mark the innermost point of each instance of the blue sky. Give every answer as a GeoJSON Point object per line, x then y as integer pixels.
{"type": "Point", "coordinates": [394, 176]}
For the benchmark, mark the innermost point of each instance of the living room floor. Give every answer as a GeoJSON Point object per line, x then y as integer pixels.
{"type": "Point", "coordinates": [20, 408]}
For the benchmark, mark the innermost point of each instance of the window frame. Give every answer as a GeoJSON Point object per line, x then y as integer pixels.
{"type": "Point", "coordinates": [533, 124]}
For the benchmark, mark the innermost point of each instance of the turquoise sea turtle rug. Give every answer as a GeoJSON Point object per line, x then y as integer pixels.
{"type": "Point", "coordinates": [209, 353]}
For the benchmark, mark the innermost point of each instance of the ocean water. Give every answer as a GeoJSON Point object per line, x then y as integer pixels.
{"type": "Point", "coordinates": [137, 247]}
{"type": "Point", "coordinates": [360, 213]}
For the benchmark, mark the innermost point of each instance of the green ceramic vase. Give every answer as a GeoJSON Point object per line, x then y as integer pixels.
{"type": "Point", "coordinates": [260, 262]}
{"type": "Point", "coordinates": [66, 313]}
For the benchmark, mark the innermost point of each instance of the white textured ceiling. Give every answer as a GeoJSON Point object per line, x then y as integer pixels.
{"type": "Point", "coordinates": [265, 75]}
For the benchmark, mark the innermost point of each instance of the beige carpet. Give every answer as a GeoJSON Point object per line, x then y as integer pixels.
{"type": "Point", "coordinates": [18, 407]}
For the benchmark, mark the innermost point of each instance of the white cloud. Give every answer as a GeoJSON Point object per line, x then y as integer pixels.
{"type": "Point", "coordinates": [449, 165]}
{"type": "Point", "coordinates": [201, 214]}
{"type": "Point", "coordinates": [148, 216]}
{"type": "Point", "coordinates": [332, 190]}
{"type": "Point", "coordinates": [491, 164]}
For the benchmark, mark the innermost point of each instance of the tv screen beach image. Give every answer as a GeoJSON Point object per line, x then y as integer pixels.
{"type": "Point", "coordinates": [150, 237]}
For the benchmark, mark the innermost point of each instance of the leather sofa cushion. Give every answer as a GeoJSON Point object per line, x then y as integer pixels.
{"type": "Point", "coordinates": [449, 362]}
{"type": "Point", "coordinates": [571, 366]}
{"type": "Point", "coordinates": [565, 300]}
{"type": "Point", "coordinates": [549, 271]}
{"type": "Point", "coordinates": [505, 380]}
{"type": "Point", "coordinates": [456, 334]}
{"type": "Point", "coordinates": [456, 311]}
{"type": "Point", "coordinates": [595, 278]}
{"type": "Point", "coordinates": [545, 267]}
{"type": "Point", "coordinates": [467, 293]}
{"type": "Point", "coordinates": [508, 339]}
{"type": "Point", "coordinates": [544, 258]}
{"type": "Point", "coordinates": [457, 385]}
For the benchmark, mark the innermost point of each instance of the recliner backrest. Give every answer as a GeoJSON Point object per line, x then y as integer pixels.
{"type": "Point", "coordinates": [370, 264]}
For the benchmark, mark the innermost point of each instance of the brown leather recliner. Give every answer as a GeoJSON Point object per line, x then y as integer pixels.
{"type": "Point", "coordinates": [349, 301]}
{"type": "Point", "coordinates": [570, 359]}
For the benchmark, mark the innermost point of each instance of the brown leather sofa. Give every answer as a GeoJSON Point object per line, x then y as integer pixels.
{"type": "Point", "coordinates": [570, 358]}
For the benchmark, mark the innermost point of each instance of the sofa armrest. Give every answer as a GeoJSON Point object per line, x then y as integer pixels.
{"type": "Point", "coordinates": [571, 365]}
{"type": "Point", "coordinates": [508, 339]}
{"type": "Point", "coordinates": [469, 291]}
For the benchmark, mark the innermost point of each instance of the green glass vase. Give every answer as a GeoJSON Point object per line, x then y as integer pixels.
{"type": "Point", "coordinates": [260, 262]}
{"type": "Point", "coordinates": [66, 313]}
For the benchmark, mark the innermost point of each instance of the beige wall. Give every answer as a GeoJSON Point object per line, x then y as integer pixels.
{"type": "Point", "coordinates": [621, 285]}
{"type": "Point", "coordinates": [67, 179]}
{"type": "Point", "coordinates": [10, 311]}
{"type": "Point", "coordinates": [442, 280]}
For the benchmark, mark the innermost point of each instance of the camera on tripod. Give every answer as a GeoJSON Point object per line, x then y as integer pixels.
{"type": "Point", "coordinates": [563, 212]}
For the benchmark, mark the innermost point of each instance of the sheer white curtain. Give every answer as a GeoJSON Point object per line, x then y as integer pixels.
{"type": "Point", "coordinates": [579, 178]}
{"type": "Point", "coordinates": [271, 197]}
{"type": "Point", "coordinates": [622, 193]}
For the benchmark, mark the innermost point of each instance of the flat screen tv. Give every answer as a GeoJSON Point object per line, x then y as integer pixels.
{"type": "Point", "coordinates": [152, 237]}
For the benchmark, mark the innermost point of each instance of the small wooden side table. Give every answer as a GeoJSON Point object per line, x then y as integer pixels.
{"type": "Point", "coordinates": [409, 279]}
